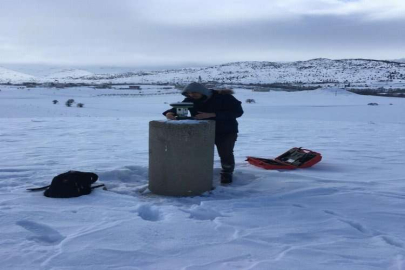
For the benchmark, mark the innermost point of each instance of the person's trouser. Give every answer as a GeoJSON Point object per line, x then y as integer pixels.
{"type": "Point", "coordinates": [225, 144]}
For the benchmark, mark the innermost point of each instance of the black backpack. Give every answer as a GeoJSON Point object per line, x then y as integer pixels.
{"type": "Point", "coordinates": [70, 184]}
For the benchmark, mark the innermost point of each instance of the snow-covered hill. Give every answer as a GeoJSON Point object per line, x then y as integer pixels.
{"type": "Point", "coordinates": [356, 72]}
{"type": "Point", "coordinates": [69, 74]}
{"type": "Point", "coordinates": [316, 71]}
{"type": "Point", "coordinates": [402, 60]}
{"type": "Point", "coordinates": [7, 75]}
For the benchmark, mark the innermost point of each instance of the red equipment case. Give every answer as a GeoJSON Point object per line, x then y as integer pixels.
{"type": "Point", "coordinates": [294, 158]}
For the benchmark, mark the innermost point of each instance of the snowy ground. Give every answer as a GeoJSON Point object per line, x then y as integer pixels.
{"type": "Point", "coordinates": [346, 212]}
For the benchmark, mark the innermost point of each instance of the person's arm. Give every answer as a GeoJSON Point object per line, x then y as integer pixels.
{"type": "Point", "coordinates": [170, 116]}
{"type": "Point", "coordinates": [205, 115]}
{"type": "Point", "coordinates": [171, 113]}
{"type": "Point", "coordinates": [232, 109]}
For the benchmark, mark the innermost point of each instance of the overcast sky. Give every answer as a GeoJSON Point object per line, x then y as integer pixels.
{"type": "Point", "coordinates": [197, 32]}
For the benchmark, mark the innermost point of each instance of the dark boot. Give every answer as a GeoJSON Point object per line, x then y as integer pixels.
{"type": "Point", "coordinates": [226, 178]}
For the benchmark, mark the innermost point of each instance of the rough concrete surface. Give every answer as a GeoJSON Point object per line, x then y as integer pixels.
{"type": "Point", "coordinates": [181, 157]}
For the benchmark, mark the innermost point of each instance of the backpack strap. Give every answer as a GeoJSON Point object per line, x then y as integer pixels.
{"type": "Point", "coordinates": [38, 189]}
{"type": "Point", "coordinates": [102, 185]}
{"type": "Point", "coordinates": [45, 187]}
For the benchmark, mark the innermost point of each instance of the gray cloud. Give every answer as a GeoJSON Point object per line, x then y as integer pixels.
{"type": "Point", "coordinates": [179, 32]}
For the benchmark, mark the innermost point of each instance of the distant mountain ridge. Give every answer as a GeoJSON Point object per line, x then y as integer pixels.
{"type": "Point", "coordinates": [319, 70]}
{"type": "Point", "coordinates": [402, 60]}
{"type": "Point", "coordinates": [69, 74]}
{"type": "Point", "coordinates": [313, 71]}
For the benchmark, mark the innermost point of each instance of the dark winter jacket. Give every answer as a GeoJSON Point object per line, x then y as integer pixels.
{"type": "Point", "coordinates": [226, 107]}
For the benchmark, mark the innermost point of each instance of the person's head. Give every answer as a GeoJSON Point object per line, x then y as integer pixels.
{"type": "Point", "coordinates": [196, 91]}
{"type": "Point", "coordinates": [194, 95]}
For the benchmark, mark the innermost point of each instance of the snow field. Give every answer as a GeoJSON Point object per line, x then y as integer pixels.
{"type": "Point", "coordinates": [344, 213]}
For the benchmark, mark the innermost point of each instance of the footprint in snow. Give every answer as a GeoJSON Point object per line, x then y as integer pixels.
{"type": "Point", "coordinates": [202, 213]}
{"type": "Point", "coordinates": [149, 213]}
{"type": "Point", "coordinates": [41, 233]}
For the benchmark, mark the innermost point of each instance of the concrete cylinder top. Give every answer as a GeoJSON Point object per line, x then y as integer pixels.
{"type": "Point", "coordinates": [181, 157]}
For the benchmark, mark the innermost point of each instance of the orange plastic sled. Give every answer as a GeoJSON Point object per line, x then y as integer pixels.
{"type": "Point", "coordinates": [294, 158]}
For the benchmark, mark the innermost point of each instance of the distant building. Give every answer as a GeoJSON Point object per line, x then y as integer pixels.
{"type": "Point", "coordinates": [30, 84]}
{"type": "Point", "coordinates": [261, 90]}
{"type": "Point", "coordinates": [103, 86]}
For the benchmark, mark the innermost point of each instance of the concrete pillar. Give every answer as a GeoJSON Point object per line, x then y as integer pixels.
{"type": "Point", "coordinates": [181, 157]}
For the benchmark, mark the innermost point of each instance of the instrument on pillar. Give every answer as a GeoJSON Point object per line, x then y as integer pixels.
{"type": "Point", "coordinates": [182, 110]}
